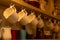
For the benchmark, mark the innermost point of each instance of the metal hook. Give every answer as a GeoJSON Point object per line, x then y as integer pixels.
{"type": "Point", "coordinates": [11, 4]}
{"type": "Point", "coordinates": [32, 13]}
{"type": "Point", "coordinates": [25, 11]}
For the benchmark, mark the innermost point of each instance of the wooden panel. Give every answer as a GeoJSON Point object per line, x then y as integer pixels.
{"type": "Point", "coordinates": [5, 2]}
{"type": "Point", "coordinates": [57, 3]}
{"type": "Point", "coordinates": [1, 11]}
{"type": "Point", "coordinates": [50, 6]}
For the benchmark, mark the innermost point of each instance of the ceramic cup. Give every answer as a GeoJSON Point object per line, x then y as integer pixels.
{"type": "Point", "coordinates": [6, 34]}
{"type": "Point", "coordinates": [23, 19]}
{"type": "Point", "coordinates": [10, 14]}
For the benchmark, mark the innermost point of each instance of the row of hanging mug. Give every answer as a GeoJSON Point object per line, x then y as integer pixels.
{"type": "Point", "coordinates": [30, 22]}
{"type": "Point", "coordinates": [53, 28]}
{"type": "Point", "coordinates": [13, 17]}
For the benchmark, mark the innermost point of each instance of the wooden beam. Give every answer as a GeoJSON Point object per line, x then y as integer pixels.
{"type": "Point", "coordinates": [21, 2]}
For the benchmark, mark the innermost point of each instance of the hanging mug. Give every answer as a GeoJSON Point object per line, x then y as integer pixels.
{"type": "Point", "coordinates": [23, 19]}
{"type": "Point", "coordinates": [31, 17]}
{"type": "Point", "coordinates": [50, 25]}
{"type": "Point", "coordinates": [10, 14]}
{"type": "Point", "coordinates": [28, 27]}
{"type": "Point", "coordinates": [34, 22]}
{"type": "Point", "coordinates": [31, 27]}
{"type": "Point", "coordinates": [6, 33]}
{"type": "Point", "coordinates": [34, 26]}
{"type": "Point", "coordinates": [40, 23]}
{"type": "Point", "coordinates": [56, 28]}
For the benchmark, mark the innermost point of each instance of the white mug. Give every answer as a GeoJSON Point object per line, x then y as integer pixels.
{"type": "Point", "coordinates": [50, 25]}
{"type": "Point", "coordinates": [34, 22]}
{"type": "Point", "coordinates": [29, 27]}
{"type": "Point", "coordinates": [6, 35]}
{"type": "Point", "coordinates": [10, 14]}
{"type": "Point", "coordinates": [23, 17]}
{"type": "Point", "coordinates": [40, 23]}
{"type": "Point", "coordinates": [56, 28]}
{"type": "Point", "coordinates": [31, 17]}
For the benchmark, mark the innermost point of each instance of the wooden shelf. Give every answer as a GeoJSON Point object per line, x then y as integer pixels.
{"type": "Point", "coordinates": [22, 3]}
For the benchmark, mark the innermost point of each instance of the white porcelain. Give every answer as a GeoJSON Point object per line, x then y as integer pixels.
{"type": "Point", "coordinates": [6, 35]}
{"type": "Point", "coordinates": [31, 17]}
{"type": "Point", "coordinates": [10, 14]}
{"type": "Point", "coordinates": [21, 14]}
{"type": "Point", "coordinates": [23, 19]}
{"type": "Point", "coordinates": [56, 28]}
{"type": "Point", "coordinates": [50, 25]}
{"type": "Point", "coordinates": [40, 23]}
{"type": "Point", "coordinates": [31, 28]}
{"type": "Point", "coordinates": [34, 22]}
